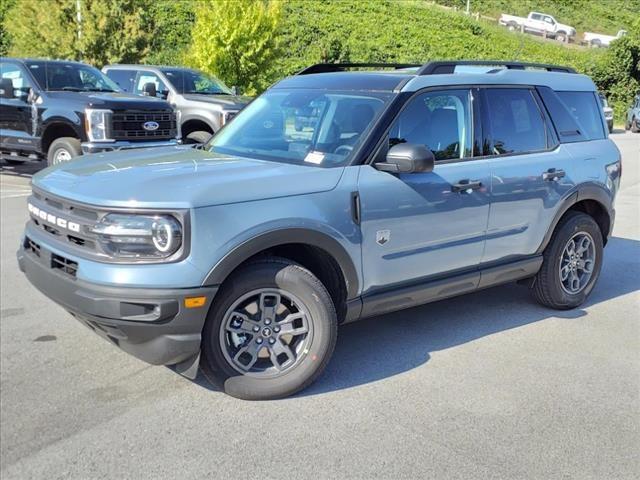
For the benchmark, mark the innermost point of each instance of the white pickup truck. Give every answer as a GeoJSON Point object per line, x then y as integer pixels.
{"type": "Point", "coordinates": [599, 40]}
{"type": "Point", "coordinates": [539, 23]}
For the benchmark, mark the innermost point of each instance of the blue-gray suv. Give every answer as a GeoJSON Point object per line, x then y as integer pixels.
{"type": "Point", "coordinates": [334, 196]}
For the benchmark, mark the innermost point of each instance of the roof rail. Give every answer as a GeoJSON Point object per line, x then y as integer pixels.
{"type": "Point", "coordinates": [340, 67]}
{"type": "Point", "coordinates": [434, 68]}
{"type": "Point", "coordinates": [449, 66]}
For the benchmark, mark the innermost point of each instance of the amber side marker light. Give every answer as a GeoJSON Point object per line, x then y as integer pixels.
{"type": "Point", "coordinates": [195, 302]}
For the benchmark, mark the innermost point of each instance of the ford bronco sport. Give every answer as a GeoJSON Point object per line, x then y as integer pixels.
{"type": "Point", "coordinates": [57, 110]}
{"type": "Point", "coordinates": [408, 186]}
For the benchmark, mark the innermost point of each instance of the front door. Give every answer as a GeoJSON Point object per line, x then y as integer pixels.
{"type": "Point", "coordinates": [16, 112]}
{"type": "Point", "coordinates": [421, 225]}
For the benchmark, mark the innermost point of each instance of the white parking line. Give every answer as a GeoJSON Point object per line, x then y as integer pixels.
{"type": "Point", "coordinates": [15, 195]}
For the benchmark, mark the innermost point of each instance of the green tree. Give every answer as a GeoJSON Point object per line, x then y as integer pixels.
{"type": "Point", "coordinates": [111, 31]}
{"type": "Point", "coordinates": [5, 39]}
{"type": "Point", "coordinates": [236, 40]}
{"type": "Point", "coordinates": [172, 24]}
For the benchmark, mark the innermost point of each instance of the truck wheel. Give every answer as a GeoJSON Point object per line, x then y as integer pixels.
{"type": "Point", "coordinates": [595, 43]}
{"type": "Point", "coordinates": [561, 37]}
{"type": "Point", "coordinates": [512, 27]}
{"type": "Point", "coordinates": [635, 127]}
{"type": "Point", "coordinates": [271, 332]}
{"type": "Point", "coordinates": [198, 137]}
{"type": "Point", "coordinates": [571, 263]}
{"type": "Point", "coordinates": [63, 149]}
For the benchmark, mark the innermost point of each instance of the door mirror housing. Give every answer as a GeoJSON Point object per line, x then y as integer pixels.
{"type": "Point", "coordinates": [149, 89]}
{"type": "Point", "coordinates": [6, 88]}
{"type": "Point", "coordinates": [235, 91]}
{"type": "Point", "coordinates": [407, 158]}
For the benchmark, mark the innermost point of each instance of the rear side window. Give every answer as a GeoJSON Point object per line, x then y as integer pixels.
{"type": "Point", "coordinates": [586, 110]}
{"type": "Point", "coordinates": [124, 78]}
{"type": "Point", "coordinates": [515, 123]}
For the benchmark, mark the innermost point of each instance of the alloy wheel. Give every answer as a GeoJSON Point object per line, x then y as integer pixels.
{"type": "Point", "coordinates": [266, 333]}
{"type": "Point", "coordinates": [577, 263]}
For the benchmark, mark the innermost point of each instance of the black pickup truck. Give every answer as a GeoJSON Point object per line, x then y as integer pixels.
{"type": "Point", "coordinates": [57, 110]}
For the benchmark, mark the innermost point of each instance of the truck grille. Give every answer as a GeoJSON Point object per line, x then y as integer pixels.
{"type": "Point", "coordinates": [129, 125]}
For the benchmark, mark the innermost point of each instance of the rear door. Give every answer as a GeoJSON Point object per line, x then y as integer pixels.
{"type": "Point", "coordinates": [530, 172]}
{"type": "Point", "coordinates": [422, 225]}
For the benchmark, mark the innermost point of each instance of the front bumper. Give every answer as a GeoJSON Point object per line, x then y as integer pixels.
{"type": "Point", "coordinates": [150, 324]}
{"type": "Point", "coordinates": [96, 147]}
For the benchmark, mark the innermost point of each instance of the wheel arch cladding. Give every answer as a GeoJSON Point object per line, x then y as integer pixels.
{"type": "Point", "coordinates": [291, 243]}
{"type": "Point", "coordinates": [594, 200]}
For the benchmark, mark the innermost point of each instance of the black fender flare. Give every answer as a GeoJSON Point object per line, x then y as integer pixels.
{"type": "Point", "coordinates": [590, 191]}
{"type": "Point", "coordinates": [274, 238]}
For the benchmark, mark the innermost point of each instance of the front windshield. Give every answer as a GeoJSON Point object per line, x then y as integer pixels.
{"type": "Point", "coordinates": [190, 81]}
{"type": "Point", "coordinates": [74, 77]}
{"type": "Point", "coordinates": [306, 127]}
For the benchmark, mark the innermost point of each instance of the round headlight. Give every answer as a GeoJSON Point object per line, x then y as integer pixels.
{"type": "Point", "coordinates": [164, 231]}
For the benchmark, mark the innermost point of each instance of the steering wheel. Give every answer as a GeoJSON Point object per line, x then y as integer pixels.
{"type": "Point", "coordinates": [343, 150]}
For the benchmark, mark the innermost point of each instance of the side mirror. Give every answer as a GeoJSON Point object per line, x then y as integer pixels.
{"type": "Point", "coordinates": [149, 89]}
{"type": "Point", "coordinates": [6, 88]}
{"type": "Point", "coordinates": [407, 158]}
{"type": "Point", "coordinates": [235, 91]}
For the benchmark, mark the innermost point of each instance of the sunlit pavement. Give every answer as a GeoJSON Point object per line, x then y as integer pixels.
{"type": "Point", "coordinates": [489, 385]}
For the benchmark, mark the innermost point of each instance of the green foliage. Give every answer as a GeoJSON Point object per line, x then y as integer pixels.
{"type": "Point", "coordinates": [600, 16]}
{"type": "Point", "coordinates": [5, 38]}
{"type": "Point", "coordinates": [236, 41]}
{"type": "Point", "coordinates": [113, 31]}
{"type": "Point", "coordinates": [172, 24]}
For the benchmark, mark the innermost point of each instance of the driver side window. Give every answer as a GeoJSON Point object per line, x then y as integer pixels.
{"type": "Point", "coordinates": [442, 121]}
{"type": "Point", "coordinates": [148, 77]}
{"type": "Point", "coordinates": [18, 79]}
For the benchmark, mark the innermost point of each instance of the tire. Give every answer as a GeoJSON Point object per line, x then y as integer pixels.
{"type": "Point", "coordinates": [512, 27]}
{"type": "Point", "coordinates": [595, 44]}
{"type": "Point", "coordinates": [63, 150]}
{"type": "Point", "coordinates": [635, 127]}
{"type": "Point", "coordinates": [548, 288]}
{"type": "Point", "coordinates": [198, 137]}
{"type": "Point", "coordinates": [259, 379]}
{"type": "Point", "coordinates": [561, 37]}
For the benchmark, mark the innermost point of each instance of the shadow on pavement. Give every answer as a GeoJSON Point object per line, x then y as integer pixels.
{"type": "Point", "coordinates": [26, 170]}
{"type": "Point", "coordinates": [381, 347]}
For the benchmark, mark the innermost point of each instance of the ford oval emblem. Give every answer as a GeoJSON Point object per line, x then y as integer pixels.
{"type": "Point", "coordinates": [150, 126]}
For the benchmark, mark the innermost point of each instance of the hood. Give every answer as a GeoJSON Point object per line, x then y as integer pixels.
{"type": "Point", "coordinates": [223, 100]}
{"type": "Point", "coordinates": [179, 177]}
{"type": "Point", "coordinates": [111, 100]}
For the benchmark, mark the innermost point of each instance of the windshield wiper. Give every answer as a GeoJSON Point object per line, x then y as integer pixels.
{"type": "Point", "coordinates": [99, 90]}
{"type": "Point", "coordinates": [192, 92]}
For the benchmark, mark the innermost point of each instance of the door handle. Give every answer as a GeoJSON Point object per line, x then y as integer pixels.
{"type": "Point", "coordinates": [553, 175]}
{"type": "Point", "coordinates": [466, 186]}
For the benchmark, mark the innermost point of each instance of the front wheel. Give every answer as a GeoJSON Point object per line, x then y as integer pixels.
{"type": "Point", "coordinates": [63, 150]}
{"type": "Point", "coordinates": [198, 137]}
{"type": "Point", "coordinates": [271, 333]}
{"type": "Point", "coordinates": [571, 263]}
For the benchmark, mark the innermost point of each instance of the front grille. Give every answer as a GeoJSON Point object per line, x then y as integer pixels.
{"type": "Point", "coordinates": [128, 125]}
{"type": "Point", "coordinates": [65, 221]}
{"type": "Point", "coordinates": [69, 267]}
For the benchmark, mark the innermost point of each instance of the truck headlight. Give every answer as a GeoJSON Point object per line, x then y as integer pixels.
{"type": "Point", "coordinates": [139, 237]}
{"type": "Point", "coordinates": [97, 123]}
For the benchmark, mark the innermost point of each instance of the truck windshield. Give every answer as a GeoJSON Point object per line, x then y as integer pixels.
{"type": "Point", "coordinates": [306, 127]}
{"type": "Point", "coordinates": [190, 81]}
{"type": "Point", "coordinates": [74, 77]}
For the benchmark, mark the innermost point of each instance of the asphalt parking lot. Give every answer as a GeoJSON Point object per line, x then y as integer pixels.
{"type": "Point", "coordinates": [489, 385]}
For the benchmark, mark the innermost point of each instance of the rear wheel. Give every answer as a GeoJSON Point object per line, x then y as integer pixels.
{"type": "Point", "coordinates": [571, 264]}
{"type": "Point", "coordinates": [635, 126]}
{"type": "Point", "coordinates": [271, 333]}
{"type": "Point", "coordinates": [63, 150]}
{"type": "Point", "coordinates": [561, 37]}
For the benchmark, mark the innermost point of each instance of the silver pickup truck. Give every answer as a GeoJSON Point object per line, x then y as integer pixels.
{"type": "Point", "coordinates": [203, 102]}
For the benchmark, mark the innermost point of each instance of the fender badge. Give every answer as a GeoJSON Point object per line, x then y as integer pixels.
{"type": "Point", "coordinates": [383, 236]}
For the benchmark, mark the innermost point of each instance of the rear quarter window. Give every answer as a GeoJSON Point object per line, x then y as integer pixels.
{"type": "Point", "coordinates": [585, 108]}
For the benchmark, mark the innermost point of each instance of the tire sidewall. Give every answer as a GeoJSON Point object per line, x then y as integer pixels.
{"type": "Point", "coordinates": [579, 223]}
{"type": "Point", "coordinates": [299, 282]}
{"type": "Point", "coordinates": [70, 145]}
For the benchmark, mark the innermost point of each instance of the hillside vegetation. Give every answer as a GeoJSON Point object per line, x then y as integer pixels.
{"type": "Point", "coordinates": [601, 16]}
{"type": "Point", "coordinates": [250, 55]}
